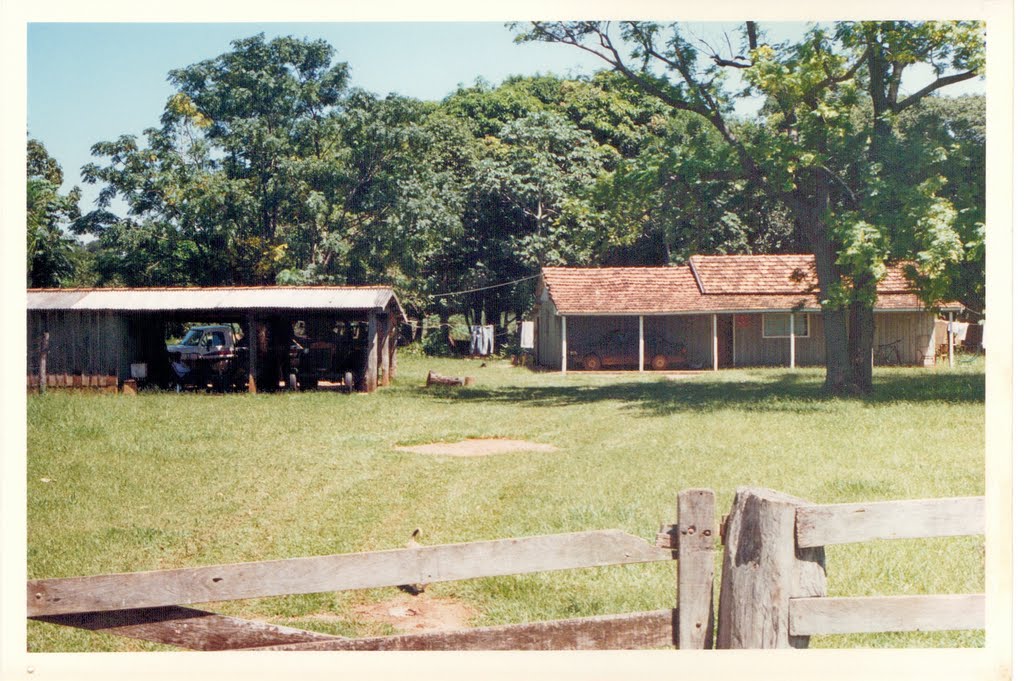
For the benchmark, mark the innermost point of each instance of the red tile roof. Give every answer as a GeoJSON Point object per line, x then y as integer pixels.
{"type": "Point", "coordinates": [629, 290]}
{"type": "Point", "coordinates": [711, 283]}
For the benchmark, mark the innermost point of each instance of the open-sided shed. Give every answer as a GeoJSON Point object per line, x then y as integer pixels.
{"type": "Point", "coordinates": [105, 331]}
{"type": "Point", "coordinates": [716, 311]}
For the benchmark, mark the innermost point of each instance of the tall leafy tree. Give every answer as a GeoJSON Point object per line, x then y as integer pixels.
{"type": "Point", "coordinates": [266, 106]}
{"type": "Point", "coordinates": [831, 170]}
{"type": "Point", "coordinates": [51, 254]}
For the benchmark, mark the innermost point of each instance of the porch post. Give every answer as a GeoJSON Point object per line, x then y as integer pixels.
{"type": "Point", "coordinates": [792, 341]}
{"type": "Point", "coordinates": [714, 340]}
{"type": "Point", "coordinates": [949, 338]}
{"type": "Point", "coordinates": [641, 342]}
{"type": "Point", "coordinates": [565, 355]}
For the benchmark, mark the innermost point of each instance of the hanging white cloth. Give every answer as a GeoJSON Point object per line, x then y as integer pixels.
{"type": "Point", "coordinates": [526, 336]}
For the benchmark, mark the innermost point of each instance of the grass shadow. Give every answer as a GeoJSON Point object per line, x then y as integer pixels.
{"type": "Point", "coordinates": [789, 393]}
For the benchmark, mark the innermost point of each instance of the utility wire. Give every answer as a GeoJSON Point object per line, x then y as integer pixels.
{"type": "Point", "coordinates": [482, 288]}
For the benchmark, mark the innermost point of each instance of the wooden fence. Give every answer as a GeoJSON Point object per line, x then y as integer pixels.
{"type": "Point", "coordinates": [772, 592]}
{"type": "Point", "coordinates": [775, 557]}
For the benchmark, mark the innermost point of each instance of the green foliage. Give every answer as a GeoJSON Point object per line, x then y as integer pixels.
{"type": "Point", "coordinates": [826, 143]}
{"type": "Point", "coordinates": [267, 168]}
{"type": "Point", "coordinates": [53, 257]}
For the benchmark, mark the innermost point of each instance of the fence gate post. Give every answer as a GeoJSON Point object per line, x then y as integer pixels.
{"type": "Point", "coordinates": [762, 569]}
{"type": "Point", "coordinates": [696, 568]}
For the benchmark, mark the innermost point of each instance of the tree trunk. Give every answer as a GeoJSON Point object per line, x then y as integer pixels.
{"type": "Point", "coordinates": [810, 210]}
{"type": "Point", "coordinates": [862, 338]}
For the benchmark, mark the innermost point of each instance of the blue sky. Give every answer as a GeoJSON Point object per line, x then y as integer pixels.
{"type": "Point", "coordinates": [93, 82]}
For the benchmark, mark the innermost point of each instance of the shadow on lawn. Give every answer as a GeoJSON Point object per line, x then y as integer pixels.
{"type": "Point", "coordinates": [790, 393]}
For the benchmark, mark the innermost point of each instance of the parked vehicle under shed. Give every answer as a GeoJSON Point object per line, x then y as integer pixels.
{"type": "Point", "coordinates": [106, 331]}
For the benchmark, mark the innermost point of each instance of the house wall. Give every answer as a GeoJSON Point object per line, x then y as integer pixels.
{"type": "Point", "coordinates": [751, 348]}
{"type": "Point", "coordinates": [914, 331]}
{"type": "Point", "coordinates": [548, 341]}
{"type": "Point", "coordinates": [585, 334]}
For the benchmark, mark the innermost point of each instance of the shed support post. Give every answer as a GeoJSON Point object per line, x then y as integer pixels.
{"type": "Point", "coordinates": [392, 345]}
{"type": "Point", "coordinates": [792, 340]}
{"type": "Point", "coordinates": [714, 341]}
{"type": "Point", "coordinates": [762, 569]}
{"type": "Point", "coordinates": [641, 342]}
{"type": "Point", "coordinates": [250, 336]}
{"type": "Point", "coordinates": [949, 338]}
{"type": "Point", "coordinates": [565, 354]}
{"type": "Point", "coordinates": [384, 349]}
{"type": "Point", "coordinates": [372, 350]}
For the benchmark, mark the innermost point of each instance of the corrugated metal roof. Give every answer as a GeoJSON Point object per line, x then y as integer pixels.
{"type": "Point", "coordinates": [219, 298]}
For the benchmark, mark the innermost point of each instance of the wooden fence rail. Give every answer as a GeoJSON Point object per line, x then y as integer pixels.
{"type": "Point", "coordinates": [773, 579]}
{"type": "Point", "coordinates": [772, 593]}
{"type": "Point", "coordinates": [148, 605]}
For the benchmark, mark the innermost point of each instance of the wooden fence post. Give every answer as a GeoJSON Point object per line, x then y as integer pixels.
{"type": "Point", "coordinates": [695, 610]}
{"type": "Point", "coordinates": [44, 348]}
{"type": "Point", "coordinates": [762, 569]}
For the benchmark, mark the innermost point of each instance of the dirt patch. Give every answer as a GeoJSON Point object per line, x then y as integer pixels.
{"type": "Point", "coordinates": [479, 447]}
{"type": "Point", "coordinates": [418, 613]}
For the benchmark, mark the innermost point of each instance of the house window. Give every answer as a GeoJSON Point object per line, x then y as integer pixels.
{"type": "Point", "coordinates": [776, 325]}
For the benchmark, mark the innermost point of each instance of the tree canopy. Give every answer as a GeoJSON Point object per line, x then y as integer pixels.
{"type": "Point", "coordinates": [825, 144]}
{"type": "Point", "coordinates": [267, 167]}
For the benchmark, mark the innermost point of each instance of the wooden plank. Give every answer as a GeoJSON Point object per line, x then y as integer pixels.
{"type": "Point", "coordinates": [696, 535]}
{"type": "Point", "coordinates": [762, 570]}
{"type": "Point", "coordinates": [421, 565]}
{"type": "Point", "coordinates": [821, 525]}
{"type": "Point", "coordinates": [187, 628]}
{"type": "Point", "coordinates": [44, 350]}
{"type": "Point", "coordinates": [608, 632]}
{"type": "Point", "coordinates": [820, 616]}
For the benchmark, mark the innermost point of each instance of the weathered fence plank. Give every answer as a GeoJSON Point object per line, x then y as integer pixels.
{"type": "Point", "coordinates": [422, 565]}
{"type": "Point", "coordinates": [762, 569]}
{"type": "Point", "coordinates": [44, 350]}
{"type": "Point", "coordinates": [697, 533]}
{"type": "Point", "coordinates": [607, 632]}
{"type": "Point", "coordinates": [187, 628]}
{"type": "Point", "coordinates": [821, 525]}
{"type": "Point", "coordinates": [820, 616]}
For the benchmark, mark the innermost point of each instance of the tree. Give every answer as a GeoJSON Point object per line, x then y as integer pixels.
{"type": "Point", "coordinates": [52, 255]}
{"type": "Point", "coordinates": [814, 151]}
{"type": "Point", "coordinates": [267, 107]}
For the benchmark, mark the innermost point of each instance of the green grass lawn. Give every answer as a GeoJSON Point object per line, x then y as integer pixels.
{"type": "Point", "coordinates": [164, 481]}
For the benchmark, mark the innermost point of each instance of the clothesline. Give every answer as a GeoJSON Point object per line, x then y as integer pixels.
{"type": "Point", "coordinates": [501, 331]}
{"type": "Point", "coordinates": [482, 288]}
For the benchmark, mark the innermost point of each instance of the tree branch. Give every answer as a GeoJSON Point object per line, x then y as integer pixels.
{"type": "Point", "coordinates": [752, 35]}
{"type": "Point", "coordinates": [935, 85]}
{"type": "Point", "coordinates": [616, 62]}
{"type": "Point", "coordinates": [832, 80]}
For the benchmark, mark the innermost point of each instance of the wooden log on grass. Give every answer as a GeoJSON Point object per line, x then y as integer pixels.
{"type": "Point", "coordinates": [437, 379]}
{"type": "Point", "coordinates": [634, 631]}
{"type": "Point", "coordinates": [763, 569]}
{"type": "Point", "coordinates": [187, 628]}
